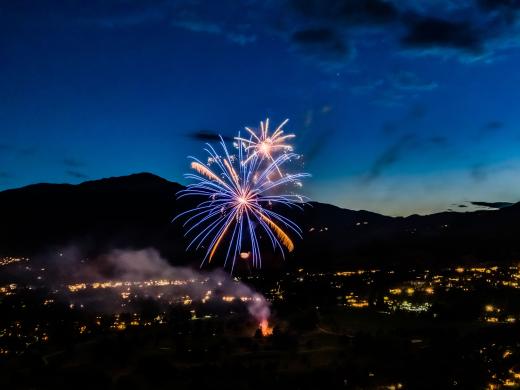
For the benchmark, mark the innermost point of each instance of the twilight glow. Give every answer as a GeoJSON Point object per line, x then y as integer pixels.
{"type": "Point", "coordinates": [401, 106]}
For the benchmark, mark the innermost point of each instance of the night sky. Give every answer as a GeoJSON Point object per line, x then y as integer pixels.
{"type": "Point", "coordinates": [399, 107]}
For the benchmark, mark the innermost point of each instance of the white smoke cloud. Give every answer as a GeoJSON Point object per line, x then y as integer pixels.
{"type": "Point", "coordinates": [147, 265]}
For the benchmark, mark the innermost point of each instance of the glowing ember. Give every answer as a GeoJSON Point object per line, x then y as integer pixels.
{"type": "Point", "coordinates": [265, 328]}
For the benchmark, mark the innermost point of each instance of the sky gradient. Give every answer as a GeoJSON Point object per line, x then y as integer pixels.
{"type": "Point", "coordinates": [399, 107]}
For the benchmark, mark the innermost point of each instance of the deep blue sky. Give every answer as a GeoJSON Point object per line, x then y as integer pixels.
{"type": "Point", "coordinates": [398, 106]}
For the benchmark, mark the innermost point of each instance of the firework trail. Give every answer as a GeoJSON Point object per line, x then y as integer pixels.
{"type": "Point", "coordinates": [239, 202]}
{"type": "Point", "coordinates": [265, 145]}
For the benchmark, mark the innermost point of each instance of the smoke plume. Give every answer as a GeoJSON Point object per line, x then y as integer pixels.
{"type": "Point", "coordinates": [146, 273]}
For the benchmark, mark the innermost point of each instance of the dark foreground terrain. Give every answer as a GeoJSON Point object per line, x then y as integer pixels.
{"type": "Point", "coordinates": [356, 329]}
{"type": "Point", "coordinates": [364, 302]}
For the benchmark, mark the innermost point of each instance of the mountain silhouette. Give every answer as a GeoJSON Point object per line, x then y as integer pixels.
{"type": "Point", "coordinates": [136, 211]}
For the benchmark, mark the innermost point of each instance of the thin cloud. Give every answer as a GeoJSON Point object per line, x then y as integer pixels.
{"type": "Point", "coordinates": [439, 140]}
{"type": "Point", "coordinates": [390, 156]}
{"type": "Point", "coordinates": [208, 136]}
{"type": "Point", "coordinates": [28, 151]}
{"type": "Point", "coordinates": [492, 126]}
{"type": "Point", "coordinates": [73, 163]}
{"type": "Point", "coordinates": [409, 81]}
{"type": "Point", "coordinates": [76, 174]}
{"type": "Point", "coordinates": [487, 26]}
{"type": "Point", "coordinates": [430, 32]}
{"type": "Point", "coordinates": [348, 13]}
{"type": "Point", "coordinates": [479, 172]}
{"type": "Point", "coordinates": [323, 45]}
{"type": "Point", "coordinates": [200, 26]}
{"type": "Point", "coordinates": [492, 205]}
{"type": "Point", "coordinates": [368, 87]}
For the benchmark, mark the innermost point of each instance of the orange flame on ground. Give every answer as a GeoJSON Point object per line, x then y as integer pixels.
{"type": "Point", "coordinates": [265, 328]}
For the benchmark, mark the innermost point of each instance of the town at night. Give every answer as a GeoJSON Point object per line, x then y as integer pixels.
{"type": "Point", "coordinates": [260, 194]}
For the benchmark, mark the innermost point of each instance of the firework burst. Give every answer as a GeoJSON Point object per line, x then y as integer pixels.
{"type": "Point", "coordinates": [265, 145]}
{"type": "Point", "coordinates": [240, 194]}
